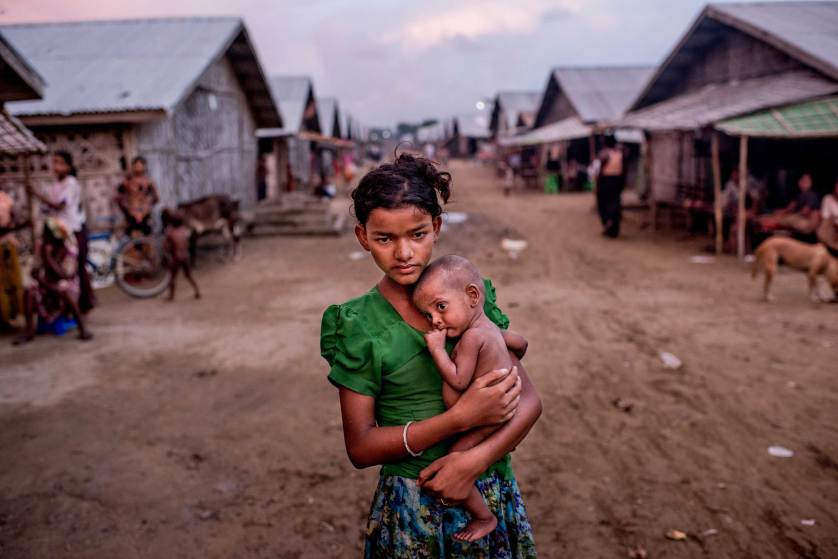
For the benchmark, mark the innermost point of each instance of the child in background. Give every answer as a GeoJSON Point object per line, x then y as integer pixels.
{"type": "Point", "coordinates": [450, 294]}
{"type": "Point", "coordinates": [55, 291]}
{"type": "Point", "coordinates": [177, 245]}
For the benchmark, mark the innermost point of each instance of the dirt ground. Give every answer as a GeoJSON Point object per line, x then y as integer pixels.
{"type": "Point", "coordinates": [206, 429]}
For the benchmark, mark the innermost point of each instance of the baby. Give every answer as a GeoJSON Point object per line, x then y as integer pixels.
{"type": "Point", "coordinates": [450, 294]}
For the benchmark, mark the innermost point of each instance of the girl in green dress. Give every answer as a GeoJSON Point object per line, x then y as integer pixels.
{"type": "Point", "coordinates": [391, 393]}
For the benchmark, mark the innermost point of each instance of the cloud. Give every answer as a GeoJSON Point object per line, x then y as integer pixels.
{"type": "Point", "coordinates": [391, 60]}
{"type": "Point", "coordinates": [472, 20]}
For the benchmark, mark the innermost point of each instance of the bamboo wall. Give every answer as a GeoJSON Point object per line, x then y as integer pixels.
{"type": "Point", "coordinates": [734, 56]}
{"type": "Point", "coordinates": [672, 163]}
{"type": "Point", "coordinates": [208, 145]}
{"type": "Point", "coordinates": [299, 156]}
{"type": "Point", "coordinates": [98, 154]}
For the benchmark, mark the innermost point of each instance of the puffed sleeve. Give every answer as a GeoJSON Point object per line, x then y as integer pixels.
{"type": "Point", "coordinates": [490, 306]}
{"type": "Point", "coordinates": [350, 351]}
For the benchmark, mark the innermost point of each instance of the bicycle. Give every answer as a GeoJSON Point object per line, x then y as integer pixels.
{"type": "Point", "coordinates": [138, 265]}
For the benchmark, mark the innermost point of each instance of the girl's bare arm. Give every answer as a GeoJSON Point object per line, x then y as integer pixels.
{"type": "Point", "coordinates": [491, 399]}
{"type": "Point", "coordinates": [46, 200]}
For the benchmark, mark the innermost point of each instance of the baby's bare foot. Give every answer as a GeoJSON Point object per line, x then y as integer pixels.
{"type": "Point", "coordinates": [476, 529]}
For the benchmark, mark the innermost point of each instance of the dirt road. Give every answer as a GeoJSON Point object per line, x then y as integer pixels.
{"type": "Point", "coordinates": [207, 428]}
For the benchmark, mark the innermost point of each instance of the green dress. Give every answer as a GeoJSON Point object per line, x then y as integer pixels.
{"type": "Point", "coordinates": [373, 351]}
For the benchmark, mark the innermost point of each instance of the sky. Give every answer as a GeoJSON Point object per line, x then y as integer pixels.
{"type": "Point", "coordinates": [391, 60]}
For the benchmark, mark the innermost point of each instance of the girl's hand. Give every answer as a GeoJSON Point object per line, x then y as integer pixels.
{"type": "Point", "coordinates": [490, 400]}
{"type": "Point", "coordinates": [435, 338]}
{"type": "Point", "coordinates": [451, 477]}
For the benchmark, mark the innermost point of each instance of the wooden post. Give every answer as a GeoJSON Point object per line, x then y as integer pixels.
{"type": "Point", "coordinates": [129, 146]}
{"type": "Point", "coordinates": [30, 203]}
{"type": "Point", "coordinates": [717, 191]}
{"type": "Point", "coordinates": [653, 205]}
{"type": "Point", "coordinates": [743, 183]}
{"type": "Point", "coordinates": [565, 162]}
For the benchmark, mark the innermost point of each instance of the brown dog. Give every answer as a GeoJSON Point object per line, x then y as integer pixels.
{"type": "Point", "coordinates": [812, 259]}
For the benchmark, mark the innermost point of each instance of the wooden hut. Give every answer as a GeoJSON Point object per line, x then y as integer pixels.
{"type": "Point", "coordinates": [580, 98]}
{"type": "Point", "coordinates": [331, 145]}
{"type": "Point", "coordinates": [186, 93]}
{"type": "Point", "coordinates": [577, 104]}
{"type": "Point", "coordinates": [508, 111]}
{"type": "Point", "coordinates": [328, 111]}
{"type": "Point", "coordinates": [735, 59]}
{"type": "Point", "coordinates": [295, 150]}
{"type": "Point", "coordinates": [469, 132]}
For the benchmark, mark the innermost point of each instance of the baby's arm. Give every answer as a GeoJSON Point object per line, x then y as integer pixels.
{"type": "Point", "coordinates": [516, 343]}
{"type": "Point", "coordinates": [458, 373]}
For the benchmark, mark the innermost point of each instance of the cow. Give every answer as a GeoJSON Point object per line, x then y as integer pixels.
{"type": "Point", "coordinates": [216, 213]}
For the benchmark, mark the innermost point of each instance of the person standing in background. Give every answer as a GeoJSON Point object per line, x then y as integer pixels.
{"type": "Point", "coordinates": [64, 201]}
{"type": "Point", "coordinates": [610, 187]}
{"type": "Point", "coordinates": [136, 197]}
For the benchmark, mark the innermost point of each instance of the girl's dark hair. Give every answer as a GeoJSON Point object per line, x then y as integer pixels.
{"type": "Point", "coordinates": [139, 159]}
{"type": "Point", "coordinates": [408, 181]}
{"type": "Point", "coordinates": [68, 159]}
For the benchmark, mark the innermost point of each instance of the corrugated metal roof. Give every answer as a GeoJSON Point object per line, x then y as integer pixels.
{"type": "Point", "coordinates": [327, 111]}
{"type": "Point", "coordinates": [127, 65]}
{"type": "Point", "coordinates": [16, 73]}
{"type": "Point", "coordinates": [513, 103]}
{"type": "Point", "coordinates": [291, 94]}
{"type": "Point", "coordinates": [811, 119]}
{"type": "Point", "coordinates": [568, 129]}
{"type": "Point", "coordinates": [15, 138]}
{"type": "Point", "coordinates": [719, 101]}
{"type": "Point", "coordinates": [806, 30]}
{"type": "Point", "coordinates": [601, 92]}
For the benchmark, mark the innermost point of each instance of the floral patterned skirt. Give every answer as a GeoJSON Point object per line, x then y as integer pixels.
{"type": "Point", "coordinates": [406, 522]}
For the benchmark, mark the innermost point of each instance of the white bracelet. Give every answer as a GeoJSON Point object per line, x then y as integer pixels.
{"type": "Point", "coordinates": [404, 440]}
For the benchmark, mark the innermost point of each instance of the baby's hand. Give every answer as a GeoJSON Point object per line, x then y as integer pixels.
{"type": "Point", "coordinates": [435, 338]}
